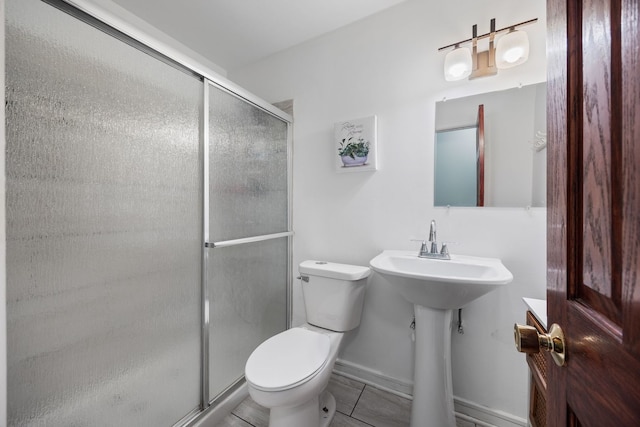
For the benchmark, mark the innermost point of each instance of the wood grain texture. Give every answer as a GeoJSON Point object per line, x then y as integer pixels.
{"type": "Point", "coordinates": [557, 193]}
{"type": "Point", "coordinates": [538, 363]}
{"type": "Point", "coordinates": [630, 233]}
{"type": "Point", "coordinates": [601, 158]}
{"type": "Point", "coordinates": [602, 388]}
{"type": "Point", "coordinates": [596, 145]}
{"type": "Point", "coordinates": [594, 211]}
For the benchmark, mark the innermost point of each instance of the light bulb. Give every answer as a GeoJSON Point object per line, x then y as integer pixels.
{"type": "Point", "coordinates": [512, 49]}
{"type": "Point", "coordinates": [457, 64]}
{"type": "Point", "coordinates": [512, 55]}
{"type": "Point", "coordinates": [457, 70]}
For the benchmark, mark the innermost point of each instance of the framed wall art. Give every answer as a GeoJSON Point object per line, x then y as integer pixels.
{"type": "Point", "coordinates": [355, 145]}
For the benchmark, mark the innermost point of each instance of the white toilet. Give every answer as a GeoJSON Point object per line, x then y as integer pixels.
{"type": "Point", "coordinates": [289, 372]}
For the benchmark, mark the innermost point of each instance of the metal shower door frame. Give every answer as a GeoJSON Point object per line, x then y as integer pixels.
{"type": "Point", "coordinates": [207, 400]}
{"type": "Point", "coordinates": [108, 22]}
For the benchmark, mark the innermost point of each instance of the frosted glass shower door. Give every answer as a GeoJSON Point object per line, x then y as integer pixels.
{"type": "Point", "coordinates": [104, 227]}
{"type": "Point", "coordinates": [248, 255]}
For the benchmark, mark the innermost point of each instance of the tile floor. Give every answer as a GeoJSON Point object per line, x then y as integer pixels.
{"type": "Point", "coordinates": [357, 405]}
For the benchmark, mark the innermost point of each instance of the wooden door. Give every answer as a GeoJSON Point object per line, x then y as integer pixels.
{"type": "Point", "coordinates": [480, 156]}
{"type": "Point", "coordinates": [594, 210]}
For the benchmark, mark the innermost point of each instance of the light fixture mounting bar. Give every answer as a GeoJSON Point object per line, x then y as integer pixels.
{"type": "Point", "coordinates": [456, 44]}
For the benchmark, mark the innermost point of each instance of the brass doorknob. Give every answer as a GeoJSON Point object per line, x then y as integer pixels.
{"type": "Point", "coordinates": [528, 340]}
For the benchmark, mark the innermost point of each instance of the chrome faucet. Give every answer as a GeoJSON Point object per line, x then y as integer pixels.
{"type": "Point", "coordinates": [432, 251]}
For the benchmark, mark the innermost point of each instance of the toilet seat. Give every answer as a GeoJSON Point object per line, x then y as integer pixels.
{"type": "Point", "coordinates": [288, 359]}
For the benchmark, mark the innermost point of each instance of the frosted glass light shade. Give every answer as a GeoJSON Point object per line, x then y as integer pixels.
{"type": "Point", "coordinates": [512, 49]}
{"type": "Point", "coordinates": [457, 64]}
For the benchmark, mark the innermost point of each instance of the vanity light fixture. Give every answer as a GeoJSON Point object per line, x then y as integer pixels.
{"type": "Point", "coordinates": [512, 49]}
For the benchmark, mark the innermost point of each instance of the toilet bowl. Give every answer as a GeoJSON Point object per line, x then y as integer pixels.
{"type": "Point", "coordinates": [288, 373]}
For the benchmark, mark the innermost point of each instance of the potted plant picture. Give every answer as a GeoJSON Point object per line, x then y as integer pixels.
{"type": "Point", "coordinates": [356, 145]}
{"type": "Point", "coordinates": [353, 152]}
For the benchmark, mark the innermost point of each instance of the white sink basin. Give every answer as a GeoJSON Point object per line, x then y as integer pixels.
{"type": "Point", "coordinates": [441, 284]}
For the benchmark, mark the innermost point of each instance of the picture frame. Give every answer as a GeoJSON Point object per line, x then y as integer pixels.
{"type": "Point", "coordinates": [355, 145]}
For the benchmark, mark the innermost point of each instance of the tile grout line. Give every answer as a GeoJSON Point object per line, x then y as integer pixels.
{"type": "Point", "coordinates": [349, 415]}
{"type": "Point", "coordinates": [354, 418]}
{"type": "Point", "coordinates": [363, 422]}
{"type": "Point", "coordinates": [357, 401]}
{"type": "Point", "coordinates": [240, 418]}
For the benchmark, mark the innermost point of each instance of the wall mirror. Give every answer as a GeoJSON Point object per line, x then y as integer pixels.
{"type": "Point", "coordinates": [490, 149]}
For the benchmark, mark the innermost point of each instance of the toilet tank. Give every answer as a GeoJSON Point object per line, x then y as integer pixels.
{"type": "Point", "coordinates": [333, 294]}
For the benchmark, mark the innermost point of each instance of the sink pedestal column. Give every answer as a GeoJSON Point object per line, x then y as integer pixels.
{"type": "Point", "coordinates": [432, 390]}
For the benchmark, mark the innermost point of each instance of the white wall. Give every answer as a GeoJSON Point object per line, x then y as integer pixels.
{"type": "Point", "coordinates": [388, 65]}
{"type": "Point", "coordinates": [539, 190]}
{"type": "Point", "coordinates": [128, 23]}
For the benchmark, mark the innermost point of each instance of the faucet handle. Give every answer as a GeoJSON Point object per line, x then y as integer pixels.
{"type": "Point", "coordinates": [423, 246]}
{"type": "Point", "coordinates": [444, 250]}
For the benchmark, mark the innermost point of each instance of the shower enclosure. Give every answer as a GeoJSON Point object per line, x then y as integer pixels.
{"type": "Point", "coordinates": [148, 226]}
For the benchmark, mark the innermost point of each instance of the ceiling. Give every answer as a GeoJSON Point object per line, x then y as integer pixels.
{"type": "Point", "coordinates": [235, 33]}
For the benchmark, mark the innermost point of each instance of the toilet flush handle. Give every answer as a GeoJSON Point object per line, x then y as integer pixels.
{"type": "Point", "coordinates": [303, 278]}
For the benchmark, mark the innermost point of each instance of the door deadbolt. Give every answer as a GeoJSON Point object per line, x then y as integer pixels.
{"type": "Point", "coordinates": [528, 340]}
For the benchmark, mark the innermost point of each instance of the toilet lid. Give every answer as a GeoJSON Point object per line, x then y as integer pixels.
{"type": "Point", "coordinates": [287, 359]}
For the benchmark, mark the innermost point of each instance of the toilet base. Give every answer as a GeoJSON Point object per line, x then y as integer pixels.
{"type": "Point", "coordinates": [318, 411]}
{"type": "Point", "coordinates": [327, 408]}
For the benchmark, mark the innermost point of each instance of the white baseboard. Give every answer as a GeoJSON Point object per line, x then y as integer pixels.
{"type": "Point", "coordinates": [374, 378]}
{"type": "Point", "coordinates": [465, 410]}
{"type": "Point", "coordinates": [484, 416]}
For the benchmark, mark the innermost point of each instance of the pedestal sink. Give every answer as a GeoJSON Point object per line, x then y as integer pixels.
{"type": "Point", "coordinates": [436, 287]}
